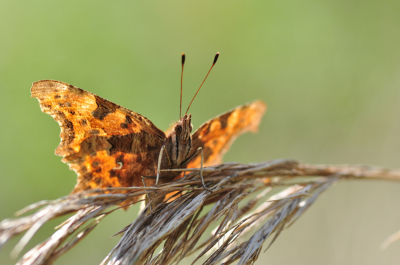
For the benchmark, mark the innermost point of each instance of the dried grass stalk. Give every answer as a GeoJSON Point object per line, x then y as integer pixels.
{"type": "Point", "coordinates": [250, 203]}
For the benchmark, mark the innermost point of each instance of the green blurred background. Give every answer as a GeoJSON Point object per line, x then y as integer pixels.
{"type": "Point", "coordinates": [329, 71]}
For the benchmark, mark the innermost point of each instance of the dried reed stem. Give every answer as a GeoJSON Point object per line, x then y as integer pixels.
{"type": "Point", "coordinates": [250, 204]}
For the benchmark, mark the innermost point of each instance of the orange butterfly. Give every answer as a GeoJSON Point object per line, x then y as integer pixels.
{"type": "Point", "coordinates": [110, 146]}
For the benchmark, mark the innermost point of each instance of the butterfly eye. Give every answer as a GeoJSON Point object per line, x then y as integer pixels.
{"type": "Point", "coordinates": [178, 128]}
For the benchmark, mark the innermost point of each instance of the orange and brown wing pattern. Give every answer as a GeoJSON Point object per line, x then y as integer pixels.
{"type": "Point", "coordinates": [216, 135]}
{"type": "Point", "coordinates": [106, 144]}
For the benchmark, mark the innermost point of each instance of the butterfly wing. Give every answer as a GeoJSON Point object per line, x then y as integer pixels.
{"type": "Point", "coordinates": [216, 135]}
{"type": "Point", "coordinates": [105, 144]}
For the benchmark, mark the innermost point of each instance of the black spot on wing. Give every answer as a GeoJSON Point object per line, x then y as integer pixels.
{"type": "Point", "coordinates": [76, 90]}
{"type": "Point", "coordinates": [224, 120]}
{"type": "Point", "coordinates": [68, 133]}
{"type": "Point", "coordinates": [104, 108]}
{"type": "Point", "coordinates": [128, 119]}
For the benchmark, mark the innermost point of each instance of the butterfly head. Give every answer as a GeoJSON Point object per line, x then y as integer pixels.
{"type": "Point", "coordinates": [181, 139]}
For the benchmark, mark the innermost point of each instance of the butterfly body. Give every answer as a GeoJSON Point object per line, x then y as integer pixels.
{"type": "Point", "coordinates": [111, 146]}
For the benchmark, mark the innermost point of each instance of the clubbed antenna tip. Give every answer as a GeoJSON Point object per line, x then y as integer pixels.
{"type": "Point", "coordinates": [183, 58]}
{"type": "Point", "coordinates": [183, 64]}
{"type": "Point", "coordinates": [216, 58]}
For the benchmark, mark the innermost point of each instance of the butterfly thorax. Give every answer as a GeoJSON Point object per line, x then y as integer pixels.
{"type": "Point", "coordinates": [179, 141]}
{"type": "Point", "coordinates": [178, 145]}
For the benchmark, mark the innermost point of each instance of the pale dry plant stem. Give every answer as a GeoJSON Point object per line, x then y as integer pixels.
{"type": "Point", "coordinates": [251, 203]}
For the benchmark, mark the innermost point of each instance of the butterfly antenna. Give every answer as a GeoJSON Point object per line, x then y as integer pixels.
{"type": "Point", "coordinates": [214, 62]}
{"type": "Point", "coordinates": [183, 64]}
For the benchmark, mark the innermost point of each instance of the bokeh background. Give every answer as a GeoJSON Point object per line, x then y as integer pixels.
{"type": "Point", "coordinates": [329, 71]}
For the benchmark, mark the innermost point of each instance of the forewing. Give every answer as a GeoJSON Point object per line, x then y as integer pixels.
{"type": "Point", "coordinates": [106, 144]}
{"type": "Point", "coordinates": [216, 135]}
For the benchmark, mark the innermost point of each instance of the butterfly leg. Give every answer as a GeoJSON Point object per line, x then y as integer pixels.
{"type": "Point", "coordinates": [160, 156]}
{"type": "Point", "coordinates": [162, 151]}
{"type": "Point", "coordinates": [157, 177]}
{"type": "Point", "coordinates": [199, 150]}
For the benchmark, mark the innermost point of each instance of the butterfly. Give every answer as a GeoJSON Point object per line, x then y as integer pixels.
{"type": "Point", "coordinates": [110, 146]}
